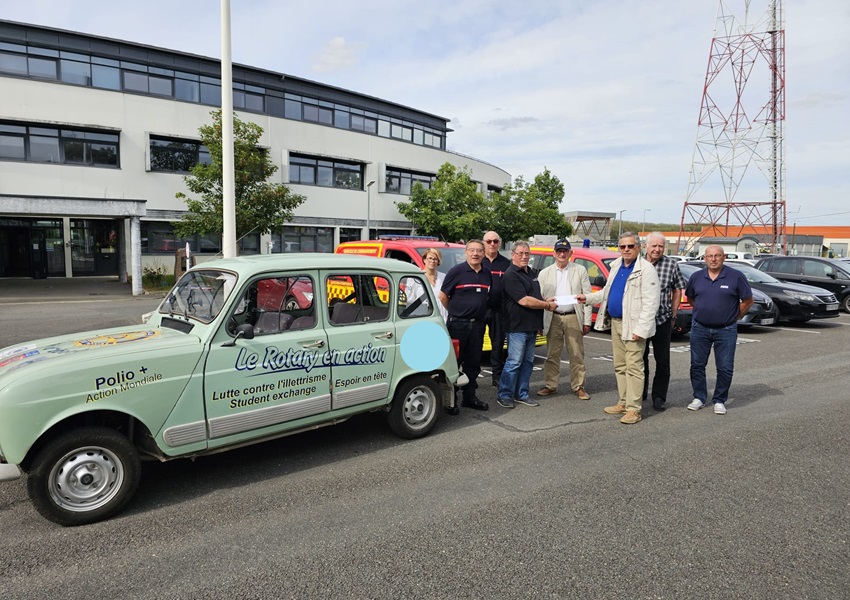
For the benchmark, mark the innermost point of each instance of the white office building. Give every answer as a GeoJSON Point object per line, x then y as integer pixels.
{"type": "Point", "coordinates": [96, 135]}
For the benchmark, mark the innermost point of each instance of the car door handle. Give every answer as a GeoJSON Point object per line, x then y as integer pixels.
{"type": "Point", "coordinates": [316, 344]}
{"type": "Point", "coordinates": [383, 336]}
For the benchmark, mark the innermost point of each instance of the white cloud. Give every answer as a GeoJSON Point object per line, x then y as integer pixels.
{"type": "Point", "coordinates": [337, 54]}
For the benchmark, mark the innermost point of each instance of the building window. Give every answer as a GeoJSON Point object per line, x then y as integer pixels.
{"type": "Point", "coordinates": [400, 181]}
{"type": "Point", "coordinates": [302, 239]}
{"type": "Point", "coordinates": [313, 170]}
{"type": "Point", "coordinates": [159, 238]}
{"type": "Point", "coordinates": [106, 73]}
{"type": "Point", "coordinates": [54, 145]}
{"type": "Point", "coordinates": [176, 155]}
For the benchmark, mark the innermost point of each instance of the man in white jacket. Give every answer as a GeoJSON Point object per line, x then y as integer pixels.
{"type": "Point", "coordinates": [629, 302]}
{"type": "Point", "coordinates": [567, 324]}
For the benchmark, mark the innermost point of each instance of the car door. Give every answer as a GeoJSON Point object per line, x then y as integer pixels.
{"type": "Point", "coordinates": [821, 274]}
{"type": "Point", "coordinates": [279, 379]}
{"type": "Point", "coordinates": [361, 336]}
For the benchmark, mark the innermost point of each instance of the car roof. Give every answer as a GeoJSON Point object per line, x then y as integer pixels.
{"type": "Point", "coordinates": [411, 242]}
{"type": "Point", "coordinates": [248, 265]}
{"type": "Point", "coordinates": [601, 252]}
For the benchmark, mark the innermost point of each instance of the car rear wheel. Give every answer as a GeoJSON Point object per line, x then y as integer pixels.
{"type": "Point", "coordinates": [415, 408]}
{"type": "Point", "coordinates": [84, 475]}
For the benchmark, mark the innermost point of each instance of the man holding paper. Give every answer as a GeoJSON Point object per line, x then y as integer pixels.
{"type": "Point", "coordinates": [568, 323]}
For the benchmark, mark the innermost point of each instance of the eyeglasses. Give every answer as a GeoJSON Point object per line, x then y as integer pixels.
{"type": "Point", "coordinates": [561, 251]}
{"type": "Point", "coordinates": [434, 258]}
{"type": "Point", "coordinates": [626, 246]}
{"type": "Point", "coordinates": [491, 241]}
{"type": "Point", "coordinates": [522, 253]}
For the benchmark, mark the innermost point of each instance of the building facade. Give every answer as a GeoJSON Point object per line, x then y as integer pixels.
{"type": "Point", "coordinates": [96, 135]}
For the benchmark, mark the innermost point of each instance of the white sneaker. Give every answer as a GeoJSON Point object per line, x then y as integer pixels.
{"type": "Point", "coordinates": [719, 408]}
{"type": "Point", "coordinates": [696, 404]}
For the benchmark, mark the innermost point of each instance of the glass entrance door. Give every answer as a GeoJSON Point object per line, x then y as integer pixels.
{"type": "Point", "coordinates": [94, 247]}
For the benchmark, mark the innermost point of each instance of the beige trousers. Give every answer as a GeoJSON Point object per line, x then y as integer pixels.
{"type": "Point", "coordinates": [628, 366]}
{"type": "Point", "coordinates": [565, 328]}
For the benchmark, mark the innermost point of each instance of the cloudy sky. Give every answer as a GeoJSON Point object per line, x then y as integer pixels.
{"type": "Point", "coordinates": [605, 94]}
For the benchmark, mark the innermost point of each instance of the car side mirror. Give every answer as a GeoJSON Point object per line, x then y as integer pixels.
{"type": "Point", "coordinates": [246, 331]}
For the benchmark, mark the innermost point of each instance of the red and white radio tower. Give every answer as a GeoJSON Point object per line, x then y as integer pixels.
{"type": "Point", "coordinates": [732, 136]}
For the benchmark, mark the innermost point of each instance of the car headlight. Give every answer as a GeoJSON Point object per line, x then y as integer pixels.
{"type": "Point", "coordinates": [800, 296]}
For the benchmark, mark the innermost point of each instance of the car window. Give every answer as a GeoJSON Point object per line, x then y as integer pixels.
{"type": "Point", "coordinates": [275, 304]}
{"type": "Point", "coordinates": [784, 265]}
{"type": "Point", "coordinates": [413, 299]}
{"type": "Point", "coordinates": [593, 271]}
{"type": "Point", "coordinates": [357, 298]}
{"type": "Point", "coordinates": [199, 295]}
{"type": "Point", "coordinates": [540, 261]}
{"type": "Point", "coordinates": [814, 268]}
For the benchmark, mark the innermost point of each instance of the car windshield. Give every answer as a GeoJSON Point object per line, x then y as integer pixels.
{"type": "Point", "coordinates": [451, 257]}
{"type": "Point", "coordinates": [752, 274]}
{"type": "Point", "coordinates": [199, 295]}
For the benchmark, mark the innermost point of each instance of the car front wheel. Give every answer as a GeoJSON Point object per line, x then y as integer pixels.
{"type": "Point", "coordinates": [845, 303]}
{"type": "Point", "coordinates": [415, 408]}
{"type": "Point", "coordinates": [84, 475]}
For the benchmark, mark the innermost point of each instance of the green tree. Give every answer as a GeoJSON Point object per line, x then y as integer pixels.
{"type": "Point", "coordinates": [525, 209]}
{"type": "Point", "coordinates": [260, 205]}
{"type": "Point", "coordinates": [451, 209]}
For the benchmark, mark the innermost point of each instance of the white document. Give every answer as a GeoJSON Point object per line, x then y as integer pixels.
{"type": "Point", "coordinates": [565, 301]}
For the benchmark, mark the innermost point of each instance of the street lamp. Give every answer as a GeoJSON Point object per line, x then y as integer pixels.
{"type": "Point", "coordinates": [645, 210]}
{"type": "Point", "coordinates": [369, 208]}
{"type": "Point", "coordinates": [620, 232]}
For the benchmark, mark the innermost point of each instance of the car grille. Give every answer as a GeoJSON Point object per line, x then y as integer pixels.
{"type": "Point", "coordinates": [828, 299]}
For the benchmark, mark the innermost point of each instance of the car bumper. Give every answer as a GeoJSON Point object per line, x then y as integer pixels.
{"type": "Point", "coordinates": [9, 472]}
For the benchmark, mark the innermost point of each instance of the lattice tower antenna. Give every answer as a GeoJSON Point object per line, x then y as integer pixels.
{"type": "Point", "coordinates": [730, 140]}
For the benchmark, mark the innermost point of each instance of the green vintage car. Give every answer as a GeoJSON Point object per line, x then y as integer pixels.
{"type": "Point", "coordinates": [241, 351]}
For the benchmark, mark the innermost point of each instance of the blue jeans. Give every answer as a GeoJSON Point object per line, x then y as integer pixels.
{"type": "Point", "coordinates": [724, 340]}
{"type": "Point", "coordinates": [516, 374]}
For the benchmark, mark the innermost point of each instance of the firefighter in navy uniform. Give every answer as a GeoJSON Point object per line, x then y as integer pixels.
{"type": "Point", "coordinates": [466, 295]}
{"type": "Point", "coordinates": [498, 264]}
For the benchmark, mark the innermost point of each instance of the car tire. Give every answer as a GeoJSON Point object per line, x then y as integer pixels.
{"type": "Point", "coordinates": [845, 303]}
{"type": "Point", "coordinates": [290, 304]}
{"type": "Point", "coordinates": [84, 475]}
{"type": "Point", "coordinates": [415, 407]}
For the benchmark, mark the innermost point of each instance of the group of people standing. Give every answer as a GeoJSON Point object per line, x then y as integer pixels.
{"type": "Point", "coordinates": [639, 304]}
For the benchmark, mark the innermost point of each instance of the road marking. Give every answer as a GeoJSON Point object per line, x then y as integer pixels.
{"type": "Point", "coordinates": [800, 330]}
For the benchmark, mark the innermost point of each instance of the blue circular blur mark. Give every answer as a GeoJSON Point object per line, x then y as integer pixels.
{"type": "Point", "coordinates": [424, 346]}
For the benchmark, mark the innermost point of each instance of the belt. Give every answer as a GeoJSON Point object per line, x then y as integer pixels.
{"type": "Point", "coordinates": [572, 312]}
{"type": "Point", "coordinates": [458, 319]}
{"type": "Point", "coordinates": [616, 318]}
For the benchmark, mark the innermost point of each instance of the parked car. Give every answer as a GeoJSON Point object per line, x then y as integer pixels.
{"type": "Point", "coordinates": [791, 301]}
{"type": "Point", "coordinates": [762, 311]}
{"type": "Point", "coordinates": [224, 362]}
{"type": "Point", "coordinates": [826, 273]}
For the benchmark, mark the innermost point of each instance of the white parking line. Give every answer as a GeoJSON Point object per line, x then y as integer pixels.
{"type": "Point", "coordinates": [800, 330]}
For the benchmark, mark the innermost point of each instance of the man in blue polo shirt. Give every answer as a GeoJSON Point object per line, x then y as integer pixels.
{"type": "Point", "coordinates": [719, 296]}
{"type": "Point", "coordinates": [465, 294]}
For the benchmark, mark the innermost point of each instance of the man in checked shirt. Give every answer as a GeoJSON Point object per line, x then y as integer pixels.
{"type": "Point", "coordinates": [671, 283]}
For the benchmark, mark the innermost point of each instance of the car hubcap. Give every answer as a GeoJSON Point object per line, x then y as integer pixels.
{"type": "Point", "coordinates": [86, 479]}
{"type": "Point", "coordinates": [418, 407]}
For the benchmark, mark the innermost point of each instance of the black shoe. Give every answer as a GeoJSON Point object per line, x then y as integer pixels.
{"type": "Point", "coordinates": [476, 404]}
{"type": "Point", "coordinates": [658, 405]}
{"type": "Point", "coordinates": [452, 410]}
